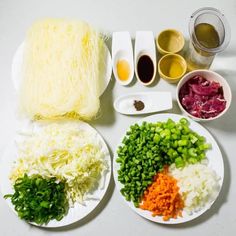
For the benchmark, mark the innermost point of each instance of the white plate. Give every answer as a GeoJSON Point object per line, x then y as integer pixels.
{"type": "Point", "coordinates": [79, 211]}
{"type": "Point", "coordinates": [17, 62]}
{"type": "Point", "coordinates": [214, 157]}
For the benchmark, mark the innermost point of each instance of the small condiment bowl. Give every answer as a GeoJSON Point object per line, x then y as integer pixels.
{"type": "Point", "coordinates": [170, 41]}
{"type": "Point", "coordinates": [172, 67]}
{"type": "Point", "coordinates": [123, 56]}
{"type": "Point", "coordinates": [211, 76]}
{"type": "Point", "coordinates": [145, 49]}
{"type": "Point", "coordinates": [122, 50]}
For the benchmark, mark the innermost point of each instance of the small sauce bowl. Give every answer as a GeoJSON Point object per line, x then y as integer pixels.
{"type": "Point", "coordinates": [145, 57]}
{"type": "Point", "coordinates": [172, 67]}
{"type": "Point", "coordinates": [170, 41]}
{"type": "Point", "coordinates": [122, 57]}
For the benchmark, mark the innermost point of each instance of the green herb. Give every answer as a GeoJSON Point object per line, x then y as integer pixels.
{"type": "Point", "coordinates": [39, 200]}
{"type": "Point", "coordinates": [148, 147]}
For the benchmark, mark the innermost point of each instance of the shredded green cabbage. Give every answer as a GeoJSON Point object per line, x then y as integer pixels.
{"type": "Point", "coordinates": [63, 151]}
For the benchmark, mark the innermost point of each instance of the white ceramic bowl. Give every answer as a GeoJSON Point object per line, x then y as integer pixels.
{"type": "Point", "coordinates": [145, 45]}
{"type": "Point", "coordinates": [211, 76]}
{"type": "Point", "coordinates": [122, 50]}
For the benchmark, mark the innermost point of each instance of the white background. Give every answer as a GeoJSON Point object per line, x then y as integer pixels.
{"type": "Point", "coordinates": [113, 217]}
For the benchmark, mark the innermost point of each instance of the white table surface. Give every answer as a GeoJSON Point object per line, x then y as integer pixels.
{"type": "Point", "coordinates": [113, 217]}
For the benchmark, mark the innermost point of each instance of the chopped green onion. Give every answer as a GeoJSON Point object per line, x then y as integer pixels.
{"type": "Point", "coordinates": [39, 200]}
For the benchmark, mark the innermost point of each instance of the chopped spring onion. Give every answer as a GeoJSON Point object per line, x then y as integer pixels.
{"type": "Point", "coordinates": [39, 200]}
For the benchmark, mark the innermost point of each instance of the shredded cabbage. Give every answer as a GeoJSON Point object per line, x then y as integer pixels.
{"type": "Point", "coordinates": [65, 152]}
{"type": "Point", "coordinates": [62, 65]}
{"type": "Point", "coordinates": [199, 185]}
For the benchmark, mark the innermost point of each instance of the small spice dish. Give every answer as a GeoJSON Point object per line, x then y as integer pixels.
{"type": "Point", "coordinates": [172, 67]}
{"type": "Point", "coordinates": [143, 103]}
{"type": "Point", "coordinates": [145, 57]}
{"type": "Point", "coordinates": [122, 57]}
{"type": "Point", "coordinates": [170, 41]}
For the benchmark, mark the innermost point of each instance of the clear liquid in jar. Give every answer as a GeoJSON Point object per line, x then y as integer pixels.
{"type": "Point", "coordinates": [208, 37]}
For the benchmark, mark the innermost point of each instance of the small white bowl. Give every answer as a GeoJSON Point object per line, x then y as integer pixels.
{"type": "Point", "coordinates": [145, 46]}
{"type": "Point", "coordinates": [122, 50]}
{"type": "Point", "coordinates": [211, 76]}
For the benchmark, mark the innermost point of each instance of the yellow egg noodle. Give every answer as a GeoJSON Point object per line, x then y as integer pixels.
{"type": "Point", "coordinates": [63, 61]}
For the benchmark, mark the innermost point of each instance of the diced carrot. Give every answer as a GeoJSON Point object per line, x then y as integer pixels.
{"type": "Point", "coordinates": [162, 197]}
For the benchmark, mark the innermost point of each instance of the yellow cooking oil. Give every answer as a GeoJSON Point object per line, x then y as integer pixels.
{"type": "Point", "coordinates": [208, 37]}
{"type": "Point", "coordinates": [123, 69]}
{"type": "Point", "coordinates": [175, 69]}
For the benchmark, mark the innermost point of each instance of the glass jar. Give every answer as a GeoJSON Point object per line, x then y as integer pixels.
{"type": "Point", "coordinates": [209, 34]}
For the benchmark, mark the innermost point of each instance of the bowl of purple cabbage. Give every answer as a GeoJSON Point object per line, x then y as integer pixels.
{"type": "Point", "coordinates": [203, 95]}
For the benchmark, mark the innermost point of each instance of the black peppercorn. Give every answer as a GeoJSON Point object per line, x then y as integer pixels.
{"type": "Point", "coordinates": [139, 105]}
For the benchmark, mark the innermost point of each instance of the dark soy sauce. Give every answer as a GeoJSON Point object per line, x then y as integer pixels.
{"type": "Point", "coordinates": [145, 69]}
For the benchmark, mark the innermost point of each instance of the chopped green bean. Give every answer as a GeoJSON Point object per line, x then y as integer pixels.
{"type": "Point", "coordinates": [146, 148]}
